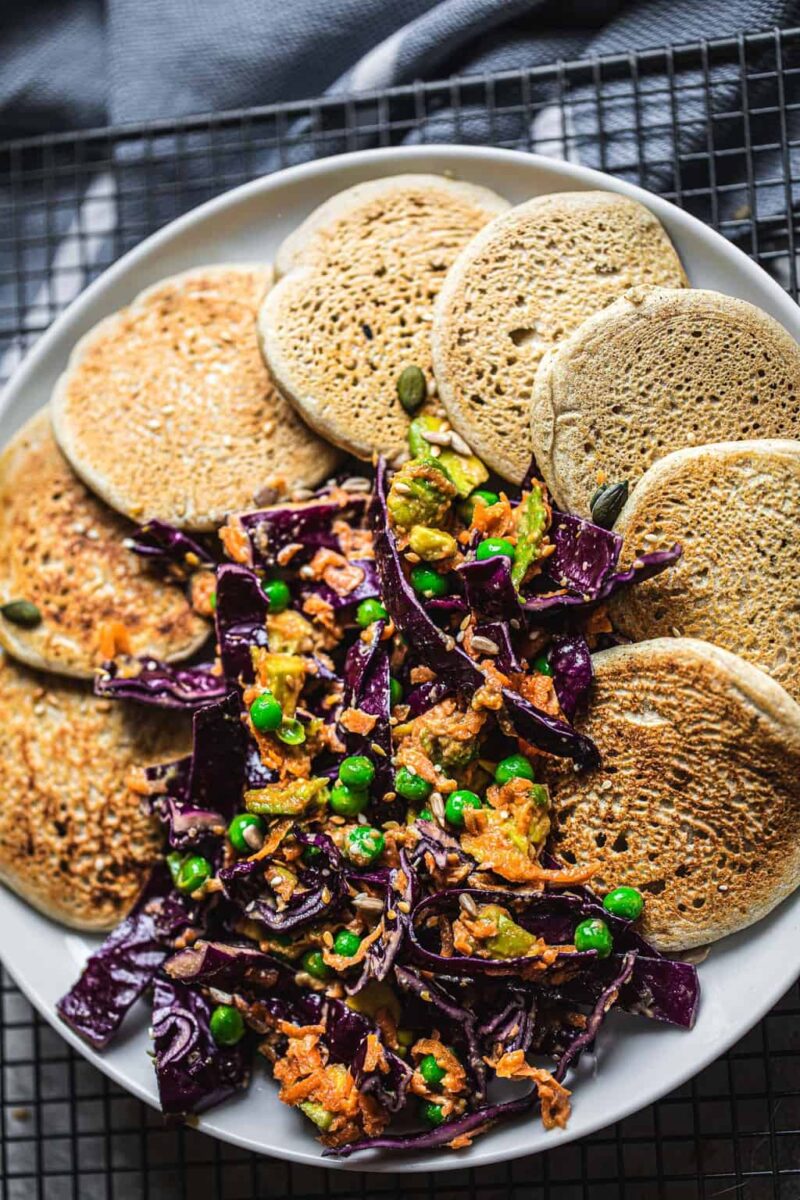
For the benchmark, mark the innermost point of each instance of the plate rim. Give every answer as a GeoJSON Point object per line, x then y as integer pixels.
{"type": "Point", "coordinates": [569, 176]}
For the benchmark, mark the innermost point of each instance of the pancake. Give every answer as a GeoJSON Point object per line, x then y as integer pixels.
{"type": "Point", "coordinates": [524, 283]}
{"type": "Point", "coordinates": [656, 371]}
{"type": "Point", "coordinates": [696, 801]}
{"type": "Point", "coordinates": [166, 409]}
{"type": "Point", "coordinates": [734, 507]}
{"type": "Point", "coordinates": [74, 841]}
{"type": "Point", "coordinates": [62, 550]}
{"type": "Point", "coordinates": [355, 305]}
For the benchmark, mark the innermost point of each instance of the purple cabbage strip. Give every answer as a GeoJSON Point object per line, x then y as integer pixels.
{"type": "Point", "coordinates": [126, 963]}
{"type": "Point", "coordinates": [432, 1139]}
{"type": "Point", "coordinates": [584, 556]}
{"type": "Point", "coordinates": [515, 1026]}
{"type": "Point", "coordinates": [163, 543]}
{"type": "Point", "coordinates": [162, 684]}
{"type": "Point", "coordinates": [440, 845]}
{"type": "Point", "coordinates": [367, 687]}
{"type": "Point", "coordinates": [241, 620]}
{"type": "Point", "coordinates": [423, 696]}
{"type": "Point", "coordinates": [464, 1021]}
{"type": "Point", "coordinates": [192, 1071]}
{"type": "Point", "coordinates": [218, 757]}
{"type": "Point", "coordinates": [390, 1087]}
{"type": "Point", "coordinates": [216, 964]}
{"type": "Point", "coordinates": [571, 663]}
{"type": "Point", "coordinates": [499, 633]}
{"type": "Point", "coordinates": [308, 525]}
{"type": "Point", "coordinates": [650, 564]}
{"type": "Point", "coordinates": [605, 1002]}
{"type": "Point", "coordinates": [488, 587]}
{"type": "Point", "coordinates": [442, 655]}
{"type": "Point", "coordinates": [366, 590]}
{"type": "Point", "coordinates": [380, 957]}
{"type": "Point", "coordinates": [324, 886]}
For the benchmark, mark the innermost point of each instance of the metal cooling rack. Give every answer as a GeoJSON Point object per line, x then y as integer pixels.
{"type": "Point", "coordinates": [714, 127]}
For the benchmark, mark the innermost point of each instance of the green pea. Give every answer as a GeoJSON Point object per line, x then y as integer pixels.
{"type": "Point", "coordinates": [370, 611]}
{"type": "Point", "coordinates": [363, 845]}
{"type": "Point", "coordinates": [516, 766]}
{"type": "Point", "coordinates": [490, 547]}
{"type": "Point", "coordinates": [542, 665]}
{"type": "Point", "coordinates": [411, 388]}
{"type": "Point", "coordinates": [466, 509]}
{"type": "Point", "coordinates": [291, 732]}
{"type": "Point", "coordinates": [427, 582]}
{"type": "Point", "coordinates": [395, 691]}
{"type": "Point", "coordinates": [430, 1071]}
{"type": "Point", "coordinates": [278, 595]}
{"type": "Point", "coordinates": [227, 1025]}
{"type": "Point", "coordinates": [425, 814]}
{"type": "Point", "coordinates": [347, 801]}
{"type": "Point", "coordinates": [626, 902]}
{"type": "Point", "coordinates": [594, 934]}
{"type": "Point", "coordinates": [457, 802]}
{"type": "Point", "coordinates": [346, 943]}
{"type": "Point", "coordinates": [22, 612]}
{"type": "Point", "coordinates": [431, 1114]}
{"type": "Point", "coordinates": [192, 873]}
{"type": "Point", "coordinates": [266, 713]}
{"type": "Point", "coordinates": [356, 771]}
{"type": "Point", "coordinates": [411, 787]}
{"type": "Point", "coordinates": [314, 965]}
{"type": "Point", "coordinates": [237, 832]}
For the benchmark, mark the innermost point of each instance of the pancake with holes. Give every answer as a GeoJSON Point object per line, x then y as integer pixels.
{"type": "Point", "coordinates": [166, 409]}
{"type": "Point", "coordinates": [524, 283]}
{"type": "Point", "coordinates": [696, 801]}
{"type": "Point", "coordinates": [62, 551]}
{"type": "Point", "coordinates": [734, 508]}
{"type": "Point", "coordinates": [355, 306]}
{"type": "Point", "coordinates": [656, 371]}
{"type": "Point", "coordinates": [74, 839]}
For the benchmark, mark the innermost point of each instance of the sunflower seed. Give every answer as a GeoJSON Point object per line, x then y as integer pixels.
{"type": "Point", "coordinates": [366, 903]}
{"type": "Point", "coordinates": [437, 807]}
{"type": "Point", "coordinates": [437, 437]}
{"type": "Point", "coordinates": [459, 445]}
{"type": "Point", "coordinates": [484, 645]}
{"type": "Point", "coordinates": [356, 483]}
{"type": "Point", "coordinates": [253, 836]}
{"type": "Point", "coordinates": [402, 489]}
{"type": "Point", "coordinates": [468, 904]}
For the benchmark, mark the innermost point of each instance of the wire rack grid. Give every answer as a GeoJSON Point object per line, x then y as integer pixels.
{"type": "Point", "coordinates": [713, 126]}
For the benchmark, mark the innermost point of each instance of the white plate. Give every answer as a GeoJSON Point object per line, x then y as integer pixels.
{"type": "Point", "coordinates": [639, 1061]}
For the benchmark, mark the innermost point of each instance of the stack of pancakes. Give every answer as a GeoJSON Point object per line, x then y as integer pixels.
{"type": "Point", "coordinates": [563, 328]}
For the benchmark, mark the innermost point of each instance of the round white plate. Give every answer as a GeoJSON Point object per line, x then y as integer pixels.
{"type": "Point", "coordinates": [639, 1061]}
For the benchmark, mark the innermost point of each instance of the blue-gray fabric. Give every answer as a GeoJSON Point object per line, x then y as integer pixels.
{"type": "Point", "coordinates": [71, 63]}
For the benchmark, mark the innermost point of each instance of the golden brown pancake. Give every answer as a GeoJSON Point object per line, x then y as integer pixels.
{"type": "Point", "coordinates": [74, 841]}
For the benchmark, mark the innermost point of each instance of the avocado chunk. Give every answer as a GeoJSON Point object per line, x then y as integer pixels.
{"type": "Point", "coordinates": [465, 471]}
{"type": "Point", "coordinates": [511, 940]}
{"type": "Point", "coordinates": [420, 494]}
{"type": "Point", "coordinates": [292, 799]}
{"type": "Point", "coordinates": [531, 527]}
{"type": "Point", "coordinates": [432, 545]}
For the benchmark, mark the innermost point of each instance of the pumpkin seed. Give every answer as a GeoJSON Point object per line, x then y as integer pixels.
{"type": "Point", "coordinates": [609, 504]}
{"type": "Point", "coordinates": [22, 612]}
{"type": "Point", "coordinates": [411, 388]}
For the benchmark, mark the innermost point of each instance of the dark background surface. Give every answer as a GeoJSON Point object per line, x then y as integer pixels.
{"type": "Point", "coordinates": [713, 126]}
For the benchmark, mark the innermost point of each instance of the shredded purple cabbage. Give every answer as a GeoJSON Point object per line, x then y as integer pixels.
{"type": "Point", "coordinates": [163, 685]}
{"type": "Point", "coordinates": [442, 654]}
{"type": "Point", "coordinates": [193, 1072]}
{"type": "Point", "coordinates": [308, 526]}
{"type": "Point", "coordinates": [118, 972]}
{"type": "Point", "coordinates": [241, 620]}
{"type": "Point", "coordinates": [160, 542]}
{"type": "Point", "coordinates": [571, 663]}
